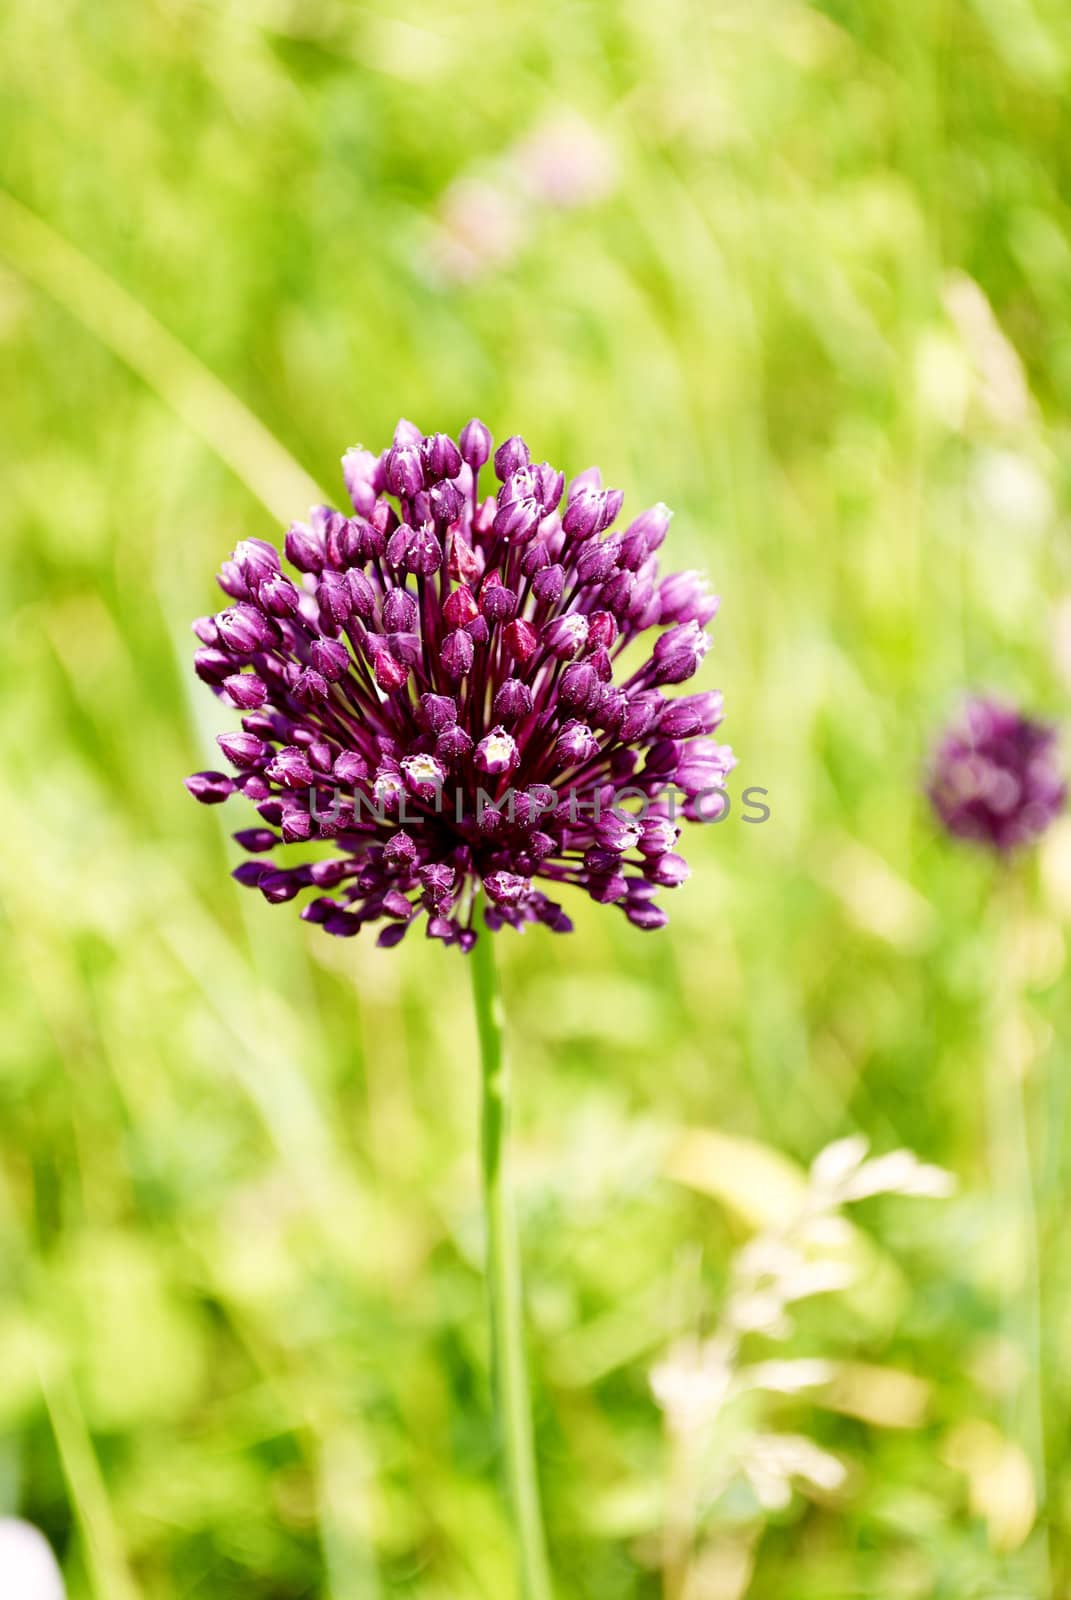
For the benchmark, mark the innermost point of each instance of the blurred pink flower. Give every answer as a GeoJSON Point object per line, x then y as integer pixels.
{"type": "Point", "coordinates": [566, 162]}
{"type": "Point", "coordinates": [479, 226]}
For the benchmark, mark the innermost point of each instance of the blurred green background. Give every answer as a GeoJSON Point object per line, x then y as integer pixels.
{"type": "Point", "coordinates": [803, 272]}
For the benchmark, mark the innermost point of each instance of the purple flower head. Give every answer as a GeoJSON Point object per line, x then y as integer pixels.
{"type": "Point", "coordinates": [995, 777]}
{"type": "Point", "coordinates": [435, 690]}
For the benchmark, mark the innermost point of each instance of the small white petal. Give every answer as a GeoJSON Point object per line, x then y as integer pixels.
{"type": "Point", "coordinates": [28, 1569]}
{"type": "Point", "coordinates": [838, 1161]}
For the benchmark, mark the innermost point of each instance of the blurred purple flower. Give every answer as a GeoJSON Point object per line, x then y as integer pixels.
{"type": "Point", "coordinates": [995, 777]}
{"type": "Point", "coordinates": [446, 715]}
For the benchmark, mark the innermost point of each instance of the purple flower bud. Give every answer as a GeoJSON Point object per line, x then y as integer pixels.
{"type": "Point", "coordinates": [335, 597]}
{"type": "Point", "coordinates": [440, 456]}
{"type": "Point", "coordinates": [669, 870]}
{"type": "Point", "coordinates": [245, 690]}
{"type": "Point", "coordinates": [390, 673]}
{"type": "Point", "coordinates": [362, 541]}
{"type": "Point", "coordinates": [244, 630]}
{"type": "Point", "coordinates": [578, 685]}
{"type": "Point", "coordinates": [399, 611]}
{"type": "Point", "coordinates": [646, 916]}
{"type": "Point", "coordinates": [685, 597]}
{"type": "Point", "coordinates": [607, 709]}
{"type": "Point", "coordinates": [206, 630]}
{"type": "Point", "coordinates": [404, 471]}
{"type": "Point", "coordinates": [497, 603]}
{"type": "Point", "coordinates": [618, 833]}
{"type": "Point", "coordinates": [330, 658]}
{"type": "Point", "coordinates": [244, 749]}
{"type": "Point", "coordinates": [310, 688]}
{"type": "Point", "coordinates": [657, 836]}
{"type": "Point", "coordinates": [506, 888]}
{"type": "Point", "coordinates": [602, 630]}
{"type": "Point", "coordinates": [459, 608]}
{"type": "Point", "coordinates": [513, 700]}
{"type": "Point", "coordinates": [438, 879]}
{"type": "Point", "coordinates": [704, 765]}
{"type": "Point", "coordinates": [662, 759]}
{"type": "Point", "coordinates": [576, 744]}
{"type": "Point", "coordinates": [548, 486]}
{"type": "Point", "coordinates": [497, 753]}
{"type": "Point", "coordinates": [616, 593]}
{"type": "Point", "coordinates": [349, 767]}
{"type": "Point", "coordinates": [633, 552]}
{"type": "Point", "coordinates": [264, 724]}
{"type": "Point", "coordinates": [651, 526]}
{"type": "Point", "coordinates": [406, 647]}
{"type": "Point", "coordinates": [364, 478]}
{"type": "Point", "coordinates": [437, 711]}
{"type": "Point", "coordinates": [475, 442]}
{"type": "Point", "coordinates": [212, 666]}
{"type": "Point", "coordinates": [278, 596]}
{"type": "Point", "coordinates": [590, 511]}
{"type": "Point", "coordinates": [256, 840]}
{"type": "Point", "coordinates": [290, 768]}
{"type": "Point", "coordinates": [362, 595]}
{"type": "Point", "coordinates": [583, 514]}
{"type": "Point", "coordinates": [641, 715]}
{"type": "Point", "coordinates": [400, 853]}
{"type": "Point", "coordinates": [209, 787]}
{"type": "Point", "coordinates": [694, 713]}
{"type": "Point", "coordinates": [548, 584]}
{"type": "Point", "coordinates": [677, 654]}
{"type": "Point", "coordinates": [446, 502]}
{"type": "Point", "coordinates": [597, 559]}
{"type": "Point", "coordinates": [232, 581]}
{"type": "Point", "coordinates": [566, 635]}
{"type": "Point", "coordinates": [303, 549]}
{"type": "Point", "coordinates": [535, 558]}
{"type": "Point", "coordinates": [256, 560]}
{"type": "Point", "coordinates": [521, 639]}
{"type": "Point", "coordinates": [510, 457]}
{"type": "Point", "coordinates": [615, 499]}
{"type": "Point", "coordinates": [645, 609]}
{"type": "Point", "coordinates": [414, 550]}
{"type": "Point", "coordinates": [453, 745]}
{"type": "Point", "coordinates": [518, 520]}
{"type": "Point", "coordinates": [296, 827]}
{"type": "Point", "coordinates": [456, 654]}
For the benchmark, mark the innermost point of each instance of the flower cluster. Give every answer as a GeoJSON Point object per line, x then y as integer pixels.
{"type": "Point", "coordinates": [995, 777]}
{"type": "Point", "coordinates": [441, 691]}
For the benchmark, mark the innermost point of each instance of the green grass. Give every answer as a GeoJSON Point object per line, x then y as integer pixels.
{"type": "Point", "coordinates": [825, 316]}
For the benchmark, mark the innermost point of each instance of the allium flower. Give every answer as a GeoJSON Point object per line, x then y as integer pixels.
{"type": "Point", "coordinates": [995, 777]}
{"type": "Point", "coordinates": [439, 690]}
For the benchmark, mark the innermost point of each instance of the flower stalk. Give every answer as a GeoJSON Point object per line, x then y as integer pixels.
{"type": "Point", "coordinates": [512, 1399]}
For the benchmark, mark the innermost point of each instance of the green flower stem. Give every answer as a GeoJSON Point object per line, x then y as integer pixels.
{"type": "Point", "coordinates": [512, 1400]}
{"type": "Point", "coordinates": [1014, 1190]}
